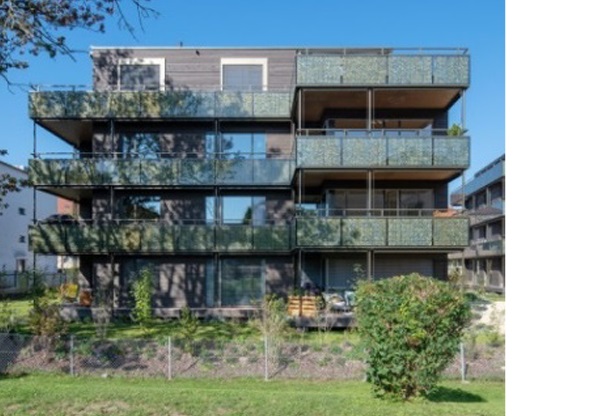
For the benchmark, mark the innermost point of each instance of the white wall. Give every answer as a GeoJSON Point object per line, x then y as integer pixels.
{"type": "Point", "coordinates": [14, 225]}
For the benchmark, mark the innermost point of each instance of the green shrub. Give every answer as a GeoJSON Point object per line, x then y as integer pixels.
{"type": "Point", "coordinates": [8, 317]}
{"type": "Point", "coordinates": [411, 326]}
{"type": "Point", "coordinates": [142, 296]}
{"type": "Point", "coordinates": [44, 318]}
{"type": "Point", "coordinates": [188, 328]}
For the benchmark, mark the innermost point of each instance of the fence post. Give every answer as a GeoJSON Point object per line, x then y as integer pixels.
{"type": "Point", "coordinates": [266, 341]}
{"type": "Point", "coordinates": [71, 357]}
{"type": "Point", "coordinates": [169, 353]}
{"type": "Point", "coordinates": [463, 366]}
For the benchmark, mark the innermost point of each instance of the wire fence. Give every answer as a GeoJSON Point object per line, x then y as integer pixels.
{"type": "Point", "coordinates": [253, 357]}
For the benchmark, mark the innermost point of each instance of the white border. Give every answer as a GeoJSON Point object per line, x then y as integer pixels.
{"type": "Point", "coordinates": [143, 61]}
{"type": "Point", "coordinates": [248, 61]}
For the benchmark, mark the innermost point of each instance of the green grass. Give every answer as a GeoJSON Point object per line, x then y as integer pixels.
{"type": "Point", "coordinates": [64, 395]}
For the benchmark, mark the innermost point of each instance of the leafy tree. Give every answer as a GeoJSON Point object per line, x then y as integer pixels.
{"type": "Point", "coordinates": [8, 183]}
{"type": "Point", "coordinates": [412, 326]}
{"type": "Point", "coordinates": [33, 27]}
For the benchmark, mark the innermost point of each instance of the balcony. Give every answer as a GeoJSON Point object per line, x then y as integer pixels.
{"type": "Point", "coordinates": [491, 248]}
{"type": "Point", "coordinates": [420, 231]}
{"type": "Point", "coordinates": [156, 237]}
{"type": "Point", "coordinates": [158, 172]}
{"type": "Point", "coordinates": [159, 104]}
{"type": "Point", "coordinates": [382, 149]}
{"type": "Point", "coordinates": [383, 67]}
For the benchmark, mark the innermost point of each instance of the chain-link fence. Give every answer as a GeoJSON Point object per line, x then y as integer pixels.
{"type": "Point", "coordinates": [175, 357]}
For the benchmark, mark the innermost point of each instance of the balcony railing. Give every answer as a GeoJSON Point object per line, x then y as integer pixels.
{"type": "Point", "coordinates": [421, 228]}
{"type": "Point", "coordinates": [157, 237]}
{"type": "Point", "coordinates": [176, 171]}
{"type": "Point", "coordinates": [381, 148]}
{"type": "Point", "coordinates": [450, 67]}
{"type": "Point", "coordinates": [173, 104]}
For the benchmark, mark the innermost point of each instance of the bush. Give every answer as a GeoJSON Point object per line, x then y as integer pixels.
{"type": "Point", "coordinates": [188, 328]}
{"type": "Point", "coordinates": [142, 296]}
{"type": "Point", "coordinates": [44, 318]}
{"type": "Point", "coordinates": [411, 326]}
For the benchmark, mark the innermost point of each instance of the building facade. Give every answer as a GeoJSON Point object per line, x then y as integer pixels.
{"type": "Point", "coordinates": [15, 218]}
{"type": "Point", "coordinates": [483, 198]}
{"type": "Point", "coordinates": [235, 172]}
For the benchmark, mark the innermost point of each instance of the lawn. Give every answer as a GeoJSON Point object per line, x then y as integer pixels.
{"type": "Point", "coordinates": [64, 395]}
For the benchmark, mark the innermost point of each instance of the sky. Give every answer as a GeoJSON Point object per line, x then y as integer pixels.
{"type": "Point", "coordinates": [473, 24]}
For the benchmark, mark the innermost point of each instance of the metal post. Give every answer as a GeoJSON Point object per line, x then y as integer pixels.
{"type": "Point", "coordinates": [71, 358]}
{"type": "Point", "coordinates": [463, 112]}
{"type": "Point", "coordinates": [463, 365]}
{"type": "Point", "coordinates": [266, 342]}
{"type": "Point", "coordinates": [35, 140]}
{"type": "Point", "coordinates": [169, 354]}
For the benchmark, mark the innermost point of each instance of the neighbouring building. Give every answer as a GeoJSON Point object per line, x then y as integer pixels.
{"type": "Point", "coordinates": [15, 256]}
{"type": "Point", "coordinates": [483, 199]}
{"type": "Point", "coordinates": [235, 172]}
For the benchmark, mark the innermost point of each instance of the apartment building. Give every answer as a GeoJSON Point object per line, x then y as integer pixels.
{"type": "Point", "coordinates": [15, 218]}
{"type": "Point", "coordinates": [236, 172]}
{"type": "Point", "coordinates": [484, 258]}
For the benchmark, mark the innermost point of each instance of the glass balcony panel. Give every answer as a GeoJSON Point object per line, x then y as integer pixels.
{"type": "Point", "coordinates": [272, 237]}
{"type": "Point", "coordinates": [158, 104]}
{"type": "Point", "coordinates": [451, 232]}
{"type": "Point", "coordinates": [409, 151]}
{"type": "Point", "coordinates": [451, 69]}
{"type": "Point", "coordinates": [451, 151]}
{"type": "Point", "coordinates": [409, 232]}
{"type": "Point", "coordinates": [318, 232]}
{"type": "Point", "coordinates": [319, 70]}
{"type": "Point", "coordinates": [195, 238]}
{"type": "Point", "coordinates": [234, 237]}
{"type": "Point", "coordinates": [196, 172]}
{"type": "Point", "coordinates": [364, 151]}
{"type": "Point", "coordinates": [365, 70]}
{"type": "Point", "coordinates": [410, 70]}
{"type": "Point", "coordinates": [363, 232]}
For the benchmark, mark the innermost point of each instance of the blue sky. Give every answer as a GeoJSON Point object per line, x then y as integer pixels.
{"type": "Point", "coordinates": [476, 25]}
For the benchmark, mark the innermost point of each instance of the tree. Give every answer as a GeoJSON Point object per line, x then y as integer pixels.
{"type": "Point", "coordinates": [8, 183]}
{"type": "Point", "coordinates": [412, 326]}
{"type": "Point", "coordinates": [33, 27]}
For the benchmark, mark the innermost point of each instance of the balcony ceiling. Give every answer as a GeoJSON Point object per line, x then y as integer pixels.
{"type": "Point", "coordinates": [316, 103]}
{"type": "Point", "coordinates": [72, 131]}
{"type": "Point", "coordinates": [316, 178]}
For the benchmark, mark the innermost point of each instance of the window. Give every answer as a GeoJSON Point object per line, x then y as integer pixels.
{"type": "Point", "coordinates": [140, 207]}
{"type": "Point", "coordinates": [244, 74]}
{"type": "Point", "coordinates": [22, 239]}
{"type": "Point", "coordinates": [21, 265]}
{"type": "Point", "coordinates": [242, 281]}
{"type": "Point", "coordinates": [243, 145]}
{"type": "Point", "coordinates": [21, 211]}
{"type": "Point", "coordinates": [141, 74]}
{"type": "Point", "coordinates": [244, 210]}
{"type": "Point", "coordinates": [145, 145]}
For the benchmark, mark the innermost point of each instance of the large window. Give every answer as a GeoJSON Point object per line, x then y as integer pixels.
{"type": "Point", "coordinates": [244, 74]}
{"type": "Point", "coordinates": [141, 74]}
{"type": "Point", "coordinates": [249, 210]}
{"type": "Point", "coordinates": [242, 281]}
{"type": "Point", "coordinates": [140, 207]}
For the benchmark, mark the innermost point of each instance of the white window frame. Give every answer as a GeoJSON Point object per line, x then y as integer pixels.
{"type": "Point", "coordinates": [264, 62]}
{"type": "Point", "coordinates": [143, 61]}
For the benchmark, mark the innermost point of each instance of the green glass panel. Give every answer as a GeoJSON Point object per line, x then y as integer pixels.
{"type": "Point", "coordinates": [409, 232]}
{"type": "Point", "coordinates": [364, 151]}
{"type": "Point", "coordinates": [363, 232]}
{"type": "Point", "coordinates": [195, 238]}
{"type": "Point", "coordinates": [234, 237]}
{"type": "Point", "coordinates": [365, 70]}
{"type": "Point", "coordinates": [451, 151]}
{"type": "Point", "coordinates": [409, 151]}
{"type": "Point", "coordinates": [410, 70]}
{"type": "Point", "coordinates": [318, 232]}
{"type": "Point", "coordinates": [271, 237]}
{"type": "Point", "coordinates": [451, 232]}
{"type": "Point", "coordinates": [451, 69]}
